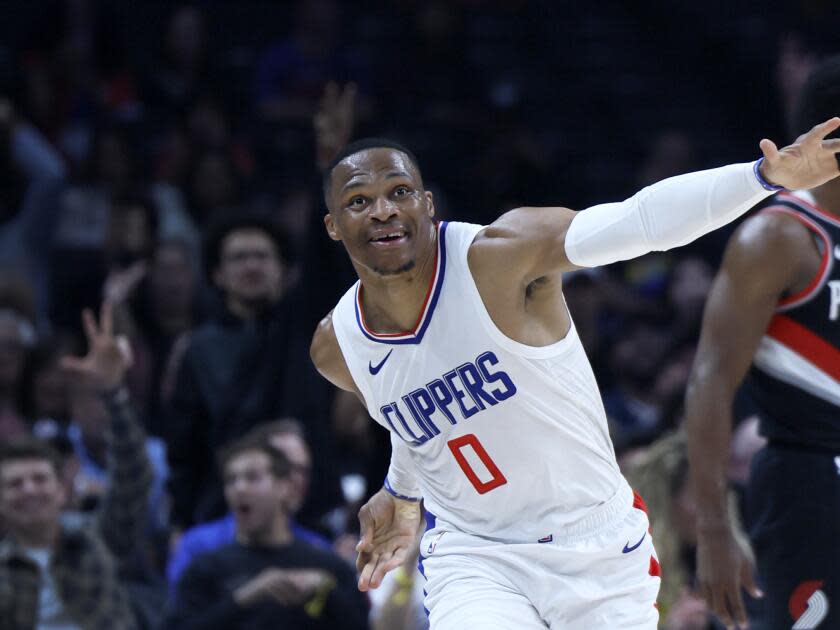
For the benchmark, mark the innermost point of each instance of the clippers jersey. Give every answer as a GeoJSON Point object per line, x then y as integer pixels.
{"type": "Point", "coordinates": [508, 441]}
{"type": "Point", "coordinates": [795, 378]}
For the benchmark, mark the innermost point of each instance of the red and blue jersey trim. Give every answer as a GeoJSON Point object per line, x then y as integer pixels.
{"type": "Point", "coordinates": [415, 335]}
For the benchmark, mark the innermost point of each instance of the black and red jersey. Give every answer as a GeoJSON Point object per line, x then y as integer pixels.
{"type": "Point", "coordinates": [795, 377]}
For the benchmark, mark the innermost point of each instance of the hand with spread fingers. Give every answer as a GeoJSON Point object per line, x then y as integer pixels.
{"type": "Point", "coordinates": [807, 163]}
{"type": "Point", "coordinates": [108, 357]}
{"type": "Point", "coordinates": [389, 533]}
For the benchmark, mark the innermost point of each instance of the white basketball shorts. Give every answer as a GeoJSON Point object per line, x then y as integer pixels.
{"type": "Point", "coordinates": [601, 572]}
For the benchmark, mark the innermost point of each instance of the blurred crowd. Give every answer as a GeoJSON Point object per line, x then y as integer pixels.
{"type": "Point", "coordinates": [175, 445]}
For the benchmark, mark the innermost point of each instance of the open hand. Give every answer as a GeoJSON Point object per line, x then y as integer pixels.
{"type": "Point", "coordinates": [807, 163]}
{"type": "Point", "coordinates": [334, 121]}
{"type": "Point", "coordinates": [108, 357]}
{"type": "Point", "coordinates": [389, 534]}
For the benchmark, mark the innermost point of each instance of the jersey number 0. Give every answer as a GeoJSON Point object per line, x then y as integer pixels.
{"type": "Point", "coordinates": [457, 447]}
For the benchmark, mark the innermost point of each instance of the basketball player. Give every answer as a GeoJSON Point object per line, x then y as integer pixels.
{"type": "Point", "coordinates": [459, 342]}
{"type": "Point", "coordinates": [774, 315]}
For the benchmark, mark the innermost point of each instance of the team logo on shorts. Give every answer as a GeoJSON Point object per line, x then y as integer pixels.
{"type": "Point", "coordinates": [808, 605]}
{"type": "Point", "coordinates": [434, 543]}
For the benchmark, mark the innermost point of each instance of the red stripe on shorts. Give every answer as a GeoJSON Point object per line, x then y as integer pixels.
{"type": "Point", "coordinates": [655, 570]}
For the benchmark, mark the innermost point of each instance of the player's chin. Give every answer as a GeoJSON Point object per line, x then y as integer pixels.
{"type": "Point", "coordinates": [394, 269]}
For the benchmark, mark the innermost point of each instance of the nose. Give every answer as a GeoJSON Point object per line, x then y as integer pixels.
{"type": "Point", "coordinates": [382, 209]}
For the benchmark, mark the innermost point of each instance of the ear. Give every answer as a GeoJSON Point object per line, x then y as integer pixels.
{"type": "Point", "coordinates": [430, 203]}
{"type": "Point", "coordinates": [332, 228]}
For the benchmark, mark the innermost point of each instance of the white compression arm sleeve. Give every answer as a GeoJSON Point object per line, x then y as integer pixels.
{"type": "Point", "coordinates": [667, 214]}
{"type": "Point", "coordinates": [401, 480]}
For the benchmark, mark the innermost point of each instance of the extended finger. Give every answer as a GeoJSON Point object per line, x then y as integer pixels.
{"type": "Point", "coordinates": [748, 581]}
{"type": "Point", "coordinates": [124, 346]}
{"type": "Point", "coordinates": [823, 129]}
{"type": "Point", "coordinates": [361, 560]}
{"type": "Point", "coordinates": [736, 607]}
{"type": "Point", "coordinates": [106, 318]}
{"type": "Point", "coordinates": [367, 572]}
{"type": "Point", "coordinates": [386, 563]}
{"type": "Point", "coordinates": [89, 324]}
{"type": "Point", "coordinates": [719, 605]}
{"type": "Point", "coordinates": [832, 145]}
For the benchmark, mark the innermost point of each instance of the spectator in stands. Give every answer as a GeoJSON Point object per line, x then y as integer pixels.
{"type": "Point", "coordinates": [60, 569]}
{"type": "Point", "coordinates": [266, 578]}
{"type": "Point", "coordinates": [16, 337]}
{"type": "Point", "coordinates": [12, 357]}
{"type": "Point", "coordinates": [287, 436]}
{"type": "Point", "coordinates": [233, 373]}
{"type": "Point", "coordinates": [160, 304]}
{"type": "Point", "coordinates": [45, 388]}
{"type": "Point", "coordinates": [87, 433]}
{"type": "Point", "coordinates": [86, 243]}
{"type": "Point", "coordinates": [292, 73]}
{"type": "Point", "coordinates": [185, 68]}
{"type": "Point", "coordinates": [32, 174]}
{"type": "Point", "coordinates": [214, 186]}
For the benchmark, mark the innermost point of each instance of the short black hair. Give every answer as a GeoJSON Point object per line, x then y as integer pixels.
{"type": "Point", "coordinates": [30, 448]}
{"type": "Point", "coordinates": [364, 144]}
{"type": "Point", "coordinates": [280, 465]}
{"type": "Point", "coordinates": [819, 99]}
{"type": "Point", "coordinates": [228, 223]}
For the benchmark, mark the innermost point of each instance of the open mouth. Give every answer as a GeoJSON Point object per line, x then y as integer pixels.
{"type": "Point", "coordinates": [242, 510]}
{"type": "Point", "coordinates": [391, 237]}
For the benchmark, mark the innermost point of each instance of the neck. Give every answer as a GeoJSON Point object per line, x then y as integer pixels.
{"type": "Point", "coordinates": [393, 303]}
{"type": "Point", "coordinates": [278, 533]}
{"type": "Point", "coordinates": [246, 310]}
{"type": "Point", "coordinates": [38, 537]}
{"type": "Point", "coordinates": [827, 196]}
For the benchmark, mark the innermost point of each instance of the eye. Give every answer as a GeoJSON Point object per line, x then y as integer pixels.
{"type": "Point", "coordinates": [356, 202]}
{"type": "Point", "coordinates": [402, 191]}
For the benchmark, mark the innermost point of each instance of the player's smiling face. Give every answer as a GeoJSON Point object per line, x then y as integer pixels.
{"type": "Point", "coordinates": [379, 209]}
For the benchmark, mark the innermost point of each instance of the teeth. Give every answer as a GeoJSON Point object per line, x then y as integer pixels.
{"type": "Point", "coordinates": [389, 235]}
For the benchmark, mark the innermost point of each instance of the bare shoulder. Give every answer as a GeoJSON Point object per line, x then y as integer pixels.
{"type": "Point", "coordinates": [327, 357]}
{"type": "Point", "coordinates": [527, 242]}
{"type": "Point", "coordinates": [769, 236]}
{"type": "Point", "coordinates": [526, 223]}
{"type": "Point", "coordinates": [770, 252]}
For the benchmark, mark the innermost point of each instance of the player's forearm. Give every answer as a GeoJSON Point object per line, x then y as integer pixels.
{"type": "Point", "coordinates": [708, 424]}
{"type": "Point", "coordinates": [667, 214]}
{"type": "Point", "coordinates": [401, 480]}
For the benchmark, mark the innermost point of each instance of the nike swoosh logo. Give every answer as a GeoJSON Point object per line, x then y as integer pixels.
{"type": "Point", "coordinates": [374, 369]}
{"type": "Point", "coordinates": [628, 548]}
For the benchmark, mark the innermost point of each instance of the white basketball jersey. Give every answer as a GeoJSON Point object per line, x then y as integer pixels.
{"type": "Point", "coordinates": [508, 441]}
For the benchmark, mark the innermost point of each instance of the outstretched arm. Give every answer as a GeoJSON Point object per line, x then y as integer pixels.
{"type": "Point", "coordinates": [768, 255]}
{"type": "Point", "coordinates": [537, 242]}
{"type": "Point", "coordinates": [102, 370]}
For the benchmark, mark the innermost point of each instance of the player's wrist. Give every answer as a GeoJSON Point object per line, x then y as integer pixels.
{"type": "Point", "coordinates": [400, 493]}
{"type": "Point", "coordinates": [765, 179]}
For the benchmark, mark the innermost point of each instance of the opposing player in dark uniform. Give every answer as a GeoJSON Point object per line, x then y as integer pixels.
{"type": "Point", "coordinates": [773, 318]}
